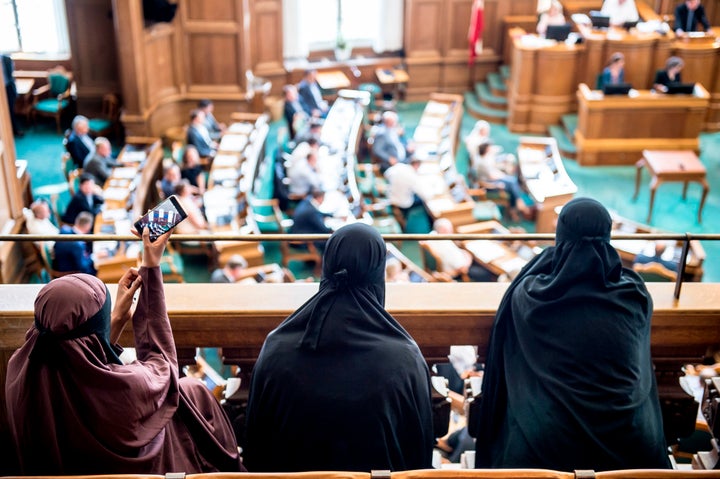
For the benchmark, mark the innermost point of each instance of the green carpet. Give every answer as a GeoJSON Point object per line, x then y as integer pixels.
{"type": "Point", "coordinates": [613, 186]}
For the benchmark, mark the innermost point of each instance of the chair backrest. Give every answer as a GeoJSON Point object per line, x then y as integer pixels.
{"type": "Point", "coordinates": [110, 106]}
{"type": "Point", "coordinates": [267, 212]}
{"type": "Point", "coordinates": [654, 272]}
{"type": "Point", "coordinates": [59, 83]}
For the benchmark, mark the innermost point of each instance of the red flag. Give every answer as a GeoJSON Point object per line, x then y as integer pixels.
{"type": "Point", "coordinates": [476, 28]}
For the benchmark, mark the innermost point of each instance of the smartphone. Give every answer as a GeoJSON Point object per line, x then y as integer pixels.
{"type": "Point", "coordinates": [161, 219]}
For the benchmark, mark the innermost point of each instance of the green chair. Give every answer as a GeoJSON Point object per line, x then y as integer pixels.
{"type": "Point", "coordinates": [54, 98]}
{"type": "Point", "coordinates": [107, 124]}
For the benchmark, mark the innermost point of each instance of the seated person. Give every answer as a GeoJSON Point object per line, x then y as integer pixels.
{"type": "Point", "coordinates": [394, 272]}
{"type": "Point", "coordinates": [308, 219]}
{"type": "Point", "coordinates": [658, 251]}
{"type": "Point", "coordinates": [404, 187]}
{"type": "Point", "coordinates": [88, 198]}
{"type": "Point", "coordinates": [304, 175]}
{"type": "Point", "coordinates": [614, 71]}
{"type": "Point", "coordinates": [568, 380]}
{"type": "Point", "coordinates": [311, 132]}
{"type": "Point", "coordinates": [478, 135]}
{"type": "Point", "coordinates": [75, 409]}
{"type": "Point", "coordinates": [688, 15]}
{"type": "Point", "coordinates": [195, 223]}
{"type": "Point", "coordinates": [295, 115]}
{"type": "Point", "coordinates": [671, 74]}
{"type": "Point", "coordinates": [214, 128]}
{"type": "Point", "coordinates": [456, 261]}
{"type": "Point", "coordinates": [74, 256]}
{"type": "Point", "coordinates": [79, 144]}
{"type": "Point", "coordinates": [171, 177]}
{"type": "Point", "coordinates": [231, 272]}
{"type": "Point", "coordinates": [198, 135]}
{"type": "Point", "coordinates": [38, 221]}
{"type": "Point", "coordinates": [490, 175]}
{"type": "Point", "coordinates": [389, 144]}
{"type": "Point", "coordinates": [191, 169]}
{"type": "Point", "coordinates": [620, 11]}
{"type": "Point", "coordinates": [340, 385]}
{"type": "Point", "coordinates": [101, 163]}
{"type": "Point", "coordinates": [553, 16]}
{"type": "Point", "coordinates": [310, 95]}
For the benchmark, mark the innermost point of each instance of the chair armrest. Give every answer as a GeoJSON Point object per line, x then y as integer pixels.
{"type": "Point", "coordinates": [41, 90]}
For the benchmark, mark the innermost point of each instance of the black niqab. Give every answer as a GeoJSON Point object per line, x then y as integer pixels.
{"type": "Point", "coordinates": [569, 382]}
{"type": "Point", "coordinates": [340, 384]}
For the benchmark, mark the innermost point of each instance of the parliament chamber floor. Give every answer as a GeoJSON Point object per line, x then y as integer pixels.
{"type": "Point", "coordinates": [611, 185]}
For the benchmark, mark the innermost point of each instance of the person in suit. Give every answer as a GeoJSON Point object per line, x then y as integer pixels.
{"type": "Point", "coordinates": [620, 11]}
{"type": "Point", "coordinates": [614, 71]}
{"type": "Point", "coordinates": [231, 272]}
{"type": "Point", "coordinates": [308, 219]}
{"type": "Point", "coordinates": [295, 115]}
{"type": "Point", "coordinates": [311, 96]}
{"type": "Point", "coordinates": [11, 92]}
{"type": "Point", "coordinates": [171, 177]}
{"type": "Point", "coordinates": [87, 198]}
{"type": "Point", "coordinates": [671, 74]}
{"type": "Point", "coordinates": [304, 175]}
{"type": "Point", "coordinates": [73, 256]}
{"type": "Point", "coordinates": [79, 144]}
{"type": "Point", "coordinates": [191, 169]}
{"type": "Point", "coordinates": [101, 163]}
{"type": "Point", "coordinates": [389, 144]}
{"type": "Point", "coordinates": [198, 135]}
{"type": "Point", "coordinates": [214, 128]}
{"type": "Point", "coordinates": [404, 187]}
{"type": "Point", "coordinates": [455, 260]}
{"type": "Point", "coordinates": [690, 14]}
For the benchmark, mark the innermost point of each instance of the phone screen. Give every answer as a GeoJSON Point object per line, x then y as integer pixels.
{"type": "Point", "coordinates": [162, 218]}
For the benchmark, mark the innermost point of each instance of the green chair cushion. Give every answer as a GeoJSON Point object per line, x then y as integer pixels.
{"type": "Point", "coordinates": [50, 105]}
{"type": "Point", "coordinates": [99, 124]}
{"type": "Point", "coordinates": [486, 210]}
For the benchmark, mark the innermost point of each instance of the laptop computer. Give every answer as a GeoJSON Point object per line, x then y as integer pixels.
{"type": "Point", "coordinates": [680, 88]}
{"type": "Point", "coordinates": [558, 32]}
{"type": "Point", "coordinates": [599, 20]}
{"type": "Point", "coordinates": [617, 89]}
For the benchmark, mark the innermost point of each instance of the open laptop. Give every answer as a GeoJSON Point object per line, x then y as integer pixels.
{"type": "Point", "coordinates": [558, 32]}
{"type": "Point", "coordinates": [680, 88]}
{"type": "Point", "coordinates": [617, 89]}
{"type": "Point", "coordinates": [599, 20]}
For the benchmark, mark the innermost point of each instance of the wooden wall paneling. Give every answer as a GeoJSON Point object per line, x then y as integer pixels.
{"type": "Point", "coordinates": [522, 7]}
{"type": "Point", "coordinates": [514, 25]}
{"type": "Point", "coordinates": [424, 26]}
{"type": "Point", "coordinates": [211, 10]}
{"type": "Point", "coordinates": [94, 50]}
{"type": "Point", "coordinates": [425, 76]}
{"type": "Point", "coordinates": [160, 63]}
{"type": "Point", "coordinates": [266, 38]}
{"type": "Point", "coordinates": [712, 9]}
{"type": "Point", "coordinates": [457, 24]}
{"type": "Point", "coordinates": [493, 13]}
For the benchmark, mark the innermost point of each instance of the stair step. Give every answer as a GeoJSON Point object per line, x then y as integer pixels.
{"type": "Point", "coordinates": [505, 71]}
{"type": "Point", "coordinates": [565, 145]}
{"type": "Point", "coordinates": [482, 90]}
{"type": "Point", "coordinates": [497, 85]}
{"type": "Point", "coordinates": [481, 112]}
{"type": "Point", "coordinates": [570, 123]}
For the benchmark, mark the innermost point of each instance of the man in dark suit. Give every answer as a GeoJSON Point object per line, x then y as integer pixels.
{"type": "Point", "coordinates": [311, 96]}
{"type": "Point", "coordinates": [73, 256]}
{"type": "Point", "coordinates": [688, 15]}
{"type": "Point", "coordinates": [87, 198]}
{"type": "Point", "coordinates": [79, 144]}
{"type": "Point", "coordinates": [308, 219]}
{"type": "Point", "coordinates": [389, 145]}
{"type": "Point", "coordinates": [100, 165]}
{"type": "Point", "coordinates": [198, 135]}
{"type": "Point", "coordinates": [295, 115]}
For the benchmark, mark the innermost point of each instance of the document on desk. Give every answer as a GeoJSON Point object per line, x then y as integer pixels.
{"type": "Point", "coordinates": [226, 161]}
{"type": "Point", "coordinates": [137, 156]}
{"type": "Point", "coordinates": [436, 108]}
{"type": "Point", "coordinates": [486, 251]}
{"type": "Point", "coordinates": [124, 172]}
{"type": "Point", "coordinates": [512, 265]}
{"type": "Point", "coordinates": [116, 194]}
{"type": "Point", "coordinates": [241, 128]}
{"type": "Point", "coordinates": [233, 143]}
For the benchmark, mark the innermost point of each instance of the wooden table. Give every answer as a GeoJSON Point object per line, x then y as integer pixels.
{"type": "Point", "coordinates": [666, 166]}
{"type": "Point", "coordinates": [332, 80]}
{"type": "Point", "coordinates": [24, 85]}
{"type": "Point", "coordinates": [395, 78]}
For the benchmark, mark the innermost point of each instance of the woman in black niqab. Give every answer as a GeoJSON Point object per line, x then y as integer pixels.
{"type": "Point", "coordinates": [340, 384]}
{"type": "Point", "coordinates": [569, 382]}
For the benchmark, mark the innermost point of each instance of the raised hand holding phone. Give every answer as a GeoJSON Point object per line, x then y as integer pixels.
{"type": "Point", "coordinates": [161, 219]}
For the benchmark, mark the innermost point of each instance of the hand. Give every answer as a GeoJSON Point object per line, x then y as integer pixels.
{"type": "Point", "coordinates": [127, 286]}
{"type": "Point", "coordinates": [153, 251]}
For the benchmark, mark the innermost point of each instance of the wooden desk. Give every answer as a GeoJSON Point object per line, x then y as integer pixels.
{"type": "Point", "coordinates": [393, 79]}
{"type": "Point", "coordinates": [332, 80]}
{"type": "Point", "coordinates": [544, 176]}
{"type": "Point", "coordinates": [24, 85]}
{"type": "Point", "coordinates": [667, 166]}
{"type": "Point", "coordinates": [614, 130]}
{"type": "Point", "coordinates": [499, 257]}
